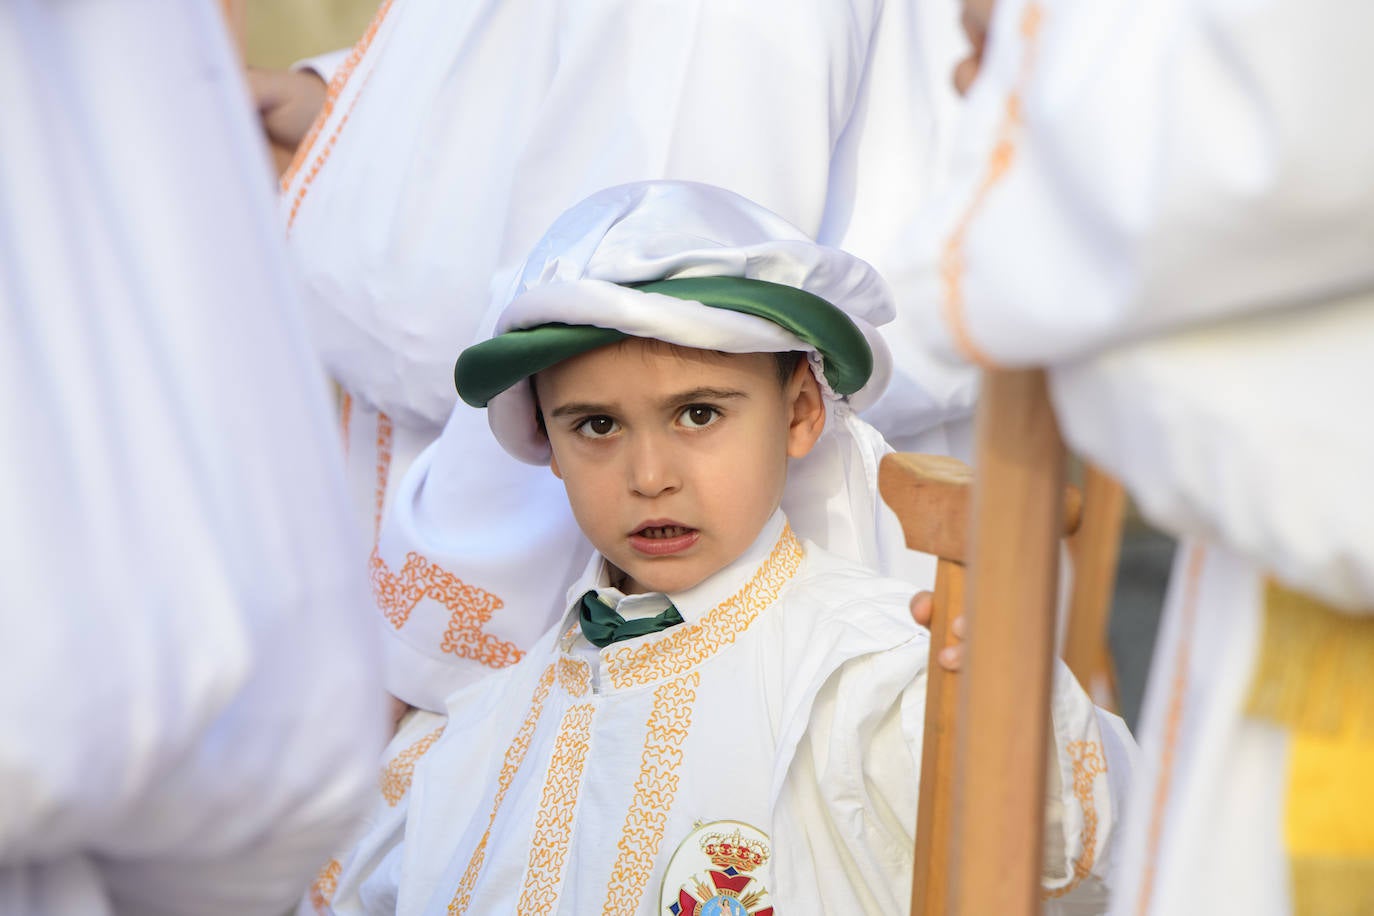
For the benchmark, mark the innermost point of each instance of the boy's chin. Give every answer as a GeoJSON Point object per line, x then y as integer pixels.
{"type": "Point", "coordinates": [665, 582]}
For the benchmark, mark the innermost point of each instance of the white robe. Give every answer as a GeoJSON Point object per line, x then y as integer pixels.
{"type": "Point", "coordinates": [189, 700]}
{"type": "Point", "coordinates": [1172, 206]}
{"type": "Point", "coordinates": [791, 698]}
{"type": "Point", "coordinates": [459, 131]}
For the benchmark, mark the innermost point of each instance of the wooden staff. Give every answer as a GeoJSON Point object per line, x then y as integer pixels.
{"type": "Point", "coordinates": [1096, 550]}
{"type": "Point", "coordinates": [933, 497]}
{"type": "Point", "coordinates": [1002, 747]}
{"type": "Point", "coordinates": [930, 495]}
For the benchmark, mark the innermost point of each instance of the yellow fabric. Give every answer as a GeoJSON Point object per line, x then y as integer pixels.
{"type": "Point", "coordinates": [1330, 809]}
{"type": "Point", "coordinates": [1315, 672]}
{"type": "Point", "coordinates": [1315, 675]}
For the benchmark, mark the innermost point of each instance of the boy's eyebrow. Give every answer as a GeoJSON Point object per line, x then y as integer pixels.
{"type": "Point", "coordinates": [585, 408]}
{"type": "Point", "coordinates": [705, 394]}
{"type": "Point", "coordinates": [580, 408]}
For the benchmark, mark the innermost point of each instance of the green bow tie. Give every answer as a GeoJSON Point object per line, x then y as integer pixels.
{"type": "Point", "coordinates": [603, 626]}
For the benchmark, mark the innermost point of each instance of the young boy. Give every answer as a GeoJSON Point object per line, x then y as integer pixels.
{"type": "Point", "coordinates": [728, 718]}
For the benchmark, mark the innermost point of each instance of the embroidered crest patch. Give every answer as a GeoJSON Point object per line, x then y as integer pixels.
{"type": "Point", "coordinates": [720, 869]}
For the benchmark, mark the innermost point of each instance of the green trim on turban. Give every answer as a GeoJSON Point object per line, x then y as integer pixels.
{"type": "Point", "coordinates": [486, 369]}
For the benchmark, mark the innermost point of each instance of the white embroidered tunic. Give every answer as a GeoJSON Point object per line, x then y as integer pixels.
{"type": "Point", "coordinates": [790, 701]}
{"type": "Point", "coordinates": [1207, 319]}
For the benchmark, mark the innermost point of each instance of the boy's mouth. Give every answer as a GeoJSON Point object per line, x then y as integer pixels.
{"type": "Point", "coordinates": [659, 532]}
{"type": "Point", "coordinates": [659, 538]}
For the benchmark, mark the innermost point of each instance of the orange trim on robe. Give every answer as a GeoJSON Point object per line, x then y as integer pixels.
{"type": "Point", "coordinates": [331, 97]}
{"type": "Point", "coordinates": [1173, 726]}
{"type": "Point", "coordinates": [953, 263]}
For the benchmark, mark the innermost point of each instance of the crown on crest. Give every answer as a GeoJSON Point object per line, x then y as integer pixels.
{"type": "Point", "coordinates": [729, 850]}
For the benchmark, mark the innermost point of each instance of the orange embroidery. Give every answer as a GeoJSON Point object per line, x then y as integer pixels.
{"type": "Point", "coordinates": [470, 607]}
{"type": "Point", "coordinates": [396, 595]}
{"type": "Point", "coordinates": [345, 416]}
{"type": "Point", "coordinates": [952, 263]}
{"type": "Point", "coordinates": [331, 97]}
{"type": "Point", "coordinates": [326, 883]}
{"type": "Point", "coordinates": [515, 755]}
{"type": "Point", "coordinates": [1173, 726]}
{"type": "Point", "coordinates": [553, 825]}
{"type": "Point", "coordinates": [399, 772]}
{"type": "Point", "coordinates": [383, 469]}
{"type": "Point", "coordinates": [1088, 764]}
{"type": "Point", "coordinates": [575, 677]}
{"type": "Point", "coordinates": [668, 725]}
{"type": "Point", "coordinates": [687, 645]}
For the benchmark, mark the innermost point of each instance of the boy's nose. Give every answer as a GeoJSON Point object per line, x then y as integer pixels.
{"type": "Point", "coordinates": [652, 470]}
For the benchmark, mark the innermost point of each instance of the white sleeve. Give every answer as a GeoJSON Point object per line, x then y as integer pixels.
{"type": "Point", "coordinates": [1171, 205]}
{"type": "Point", "coordinates": [752, 97]}
{"type": "Point", "coordinates": [323, 65]}
{"type": "Point", "coordinates": [189, 699]}
{"type": "Point", "coordinates": [862, 752]}
{"type": "Point", "coordinates": [1125, 169]}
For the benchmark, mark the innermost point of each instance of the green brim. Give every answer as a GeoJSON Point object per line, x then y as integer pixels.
{"type": "Point", "coordinates": [486, 369]}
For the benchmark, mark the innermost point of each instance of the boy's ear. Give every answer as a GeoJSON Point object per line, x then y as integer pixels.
{"type": "Point", "coordinates": [544, 429]}
{"type": "Point", "coordinates": [553, 465]}
{"type": "Point", "coordinates": [806, 410]}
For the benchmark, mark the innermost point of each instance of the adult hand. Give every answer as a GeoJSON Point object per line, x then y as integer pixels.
{"type": "Point", "coordinates": [288, 101]}
{"type": "Point", "coordinates": [976, 16]}
{"type": "Point", "coordinates": [951, 658]}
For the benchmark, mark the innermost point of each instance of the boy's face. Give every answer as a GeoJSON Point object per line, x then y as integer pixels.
{"type": "Point", "coordinates": [674, 458]}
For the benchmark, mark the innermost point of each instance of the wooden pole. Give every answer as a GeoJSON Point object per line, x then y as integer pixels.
{"type": "Point", "coordinates": [930, 880]}
{"type": "Point", "coordinates": [997, 825]}
{"type": "Point", "coordinates": [932, 497]}
{"type": "Point", "coordinates": [1096, 550]}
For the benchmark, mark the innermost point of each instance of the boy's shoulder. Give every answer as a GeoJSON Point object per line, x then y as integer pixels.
{"type": "Point", "coordinates": [833, 596]}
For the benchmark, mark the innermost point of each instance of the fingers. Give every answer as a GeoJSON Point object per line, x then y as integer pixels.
{"type": "Point", "coordinates": [965, 72]}
{"type": "Point", "coordinates": [974, 20]}
{"type": "Point", "coordinates": [923, 608]}
{"type": "Point", "coordinates": [951, 658]}
{"type": "Point", "coordinates": [287, 102]}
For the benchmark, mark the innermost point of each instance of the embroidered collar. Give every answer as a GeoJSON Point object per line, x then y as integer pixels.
{"type": "Point", "coordinates": [715, 612]}
{"type": "Point", "coordinates": [692, 603]}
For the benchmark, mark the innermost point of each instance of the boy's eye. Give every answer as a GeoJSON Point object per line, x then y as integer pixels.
{"type": "Point", "coordinates": [695, 416]}
{"type": "Point", "coordinates": [597, 427]}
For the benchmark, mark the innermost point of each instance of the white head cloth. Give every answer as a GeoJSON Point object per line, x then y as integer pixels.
{"type": "Point", "coordinates": [670, 230]}
{"type": "Point", "coordinates": [631, 234]}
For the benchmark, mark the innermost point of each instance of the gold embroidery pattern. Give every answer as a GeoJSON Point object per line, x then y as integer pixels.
{"type": "Point", "coordinates": [515, 755]}
{"type": "Point", "coordinates": [383, 471]}
{"type": "Point", "coordinates": [668, 726]}
{"type": "Point", "coordinates": [688, 645]}
{"type": "Point", "coordinates": [952, 264]}
{"type": "Point", "coordinates": [1174, 724]}
{"type": "Point", "coordinates": [1088, 764]}
{"type": "Point", "coordinates": [326, 883]}
{"type": "Point", "coordinates": [553, 825]}
{"type": "Point", "coordinates": [401, 770]}
{"type": "Point", "coordinates": [575, 677]}
{"type": "Point", "coordinates": [331, 98]}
